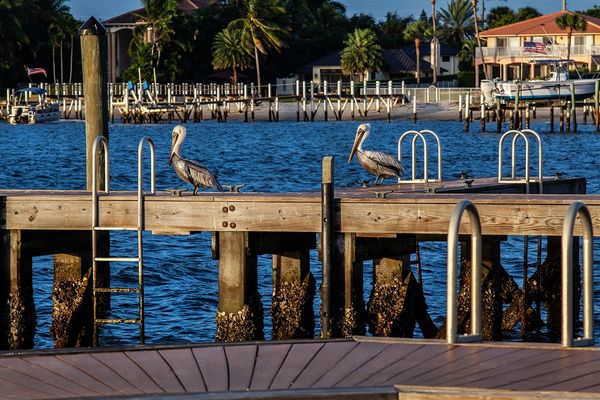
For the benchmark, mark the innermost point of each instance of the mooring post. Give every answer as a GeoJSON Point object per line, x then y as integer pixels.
{"type": "Point", "coordinates": [573, 107]}
{"type": "Point", "coordinates": [297, 101]}
{"type": "Point", "coordinates": [498, 118]}
{"type": "Point", "coordinates": [71, 268]}
{"type": "Point", "coordinates": [415, 109]}
{"type": "Point", "coordinates": [551, 118]}
{"type": "Point", "coordinates": [460, 108]}
{"type": "Point", "coordinates": [482, 117]}
{"type": "Point", "coordinates": [597, 105]}
{"type": "Point", "coordinates": [327, 243]}
{"type": "Point", "coordinates": [561, 118]}
{"type": "Point", "coordinates": [352, 100]}
{"type": "Point", "coordinates": [325, 100]}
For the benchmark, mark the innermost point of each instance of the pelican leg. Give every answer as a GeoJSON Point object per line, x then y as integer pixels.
{"type": "Point", "coordinates": [195, 190]}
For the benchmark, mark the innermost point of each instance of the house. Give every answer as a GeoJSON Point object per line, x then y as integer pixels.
{"type": "Point", "coordinates": [397, 64]}
{"type": "Point", "coordinates": [512, 50]}
{"type": "Point", "coordinates": [120, 34]}
{"type": "Point", "coordinates": [448, 56]}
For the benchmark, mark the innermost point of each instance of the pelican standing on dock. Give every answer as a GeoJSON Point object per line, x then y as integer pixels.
{"type": "Point", "coordinates": [190, 170]}
{"type": "Point", "coordinates": [382, 165]}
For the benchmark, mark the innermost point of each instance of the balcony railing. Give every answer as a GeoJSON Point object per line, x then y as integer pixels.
{"type": "Point", "coordinates": [551, 51]}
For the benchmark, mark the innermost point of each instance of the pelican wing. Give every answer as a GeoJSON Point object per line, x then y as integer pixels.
{"type": "Point", "coordinates": [201, 175]}
{"type": "Point", "coordinates": [385, 164]}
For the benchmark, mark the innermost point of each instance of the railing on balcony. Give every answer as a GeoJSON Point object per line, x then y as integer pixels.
{"type": "Point", "coordinates": [551, 51]}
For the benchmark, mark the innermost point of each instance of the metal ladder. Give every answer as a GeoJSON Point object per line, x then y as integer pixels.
{"type": "Point", "coordinates": [97, 227]}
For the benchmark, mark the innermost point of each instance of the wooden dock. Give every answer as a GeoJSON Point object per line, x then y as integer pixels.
{"type": "Point", "coordinates": [361, 367]}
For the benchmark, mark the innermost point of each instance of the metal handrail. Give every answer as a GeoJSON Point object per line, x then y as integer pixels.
{"type": "Point", "coordinates": [516, 134]}
{"type": "Point", "coordinates": [451, 301]}
{"type": "Point", "coordinates": [100, 140]}
{"type": "Point", "coordinates": [421, 134]}
{"type": "Point", "coordinates": [140, 226]}
{"type": "Point", "coordinates": [574, 210]}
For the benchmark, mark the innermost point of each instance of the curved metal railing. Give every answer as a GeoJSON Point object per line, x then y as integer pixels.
{"type": "Point", "coordinates": [567, 340]}
{"type": "Point", "coordinates": [513, 179]}
{"type": "Point", "coordinates": [451, 295]}
{"type": "Point", "coordinates": [421, 135]}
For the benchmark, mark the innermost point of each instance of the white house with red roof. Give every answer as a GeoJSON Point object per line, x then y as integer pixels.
{"type": "Point", "coordinates": [512, 50]}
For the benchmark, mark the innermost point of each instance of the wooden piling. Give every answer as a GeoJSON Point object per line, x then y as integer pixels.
{"type": "Point", "coordinates": [551, 118]}
{"type": "Point", "coordinates": [415, 109]}
{"type": "Point", "coordinates": [597, 105]}
{"type": "Point", "coordinates": [573, 107]}
{"type": "Point", "coordinates": [482, 117]}
{"type": "Point", "coordinates": [239, 314]}
{"type": "Point", "coordinates": [327, 242]}
{"type": "Point", "coordinates": [561, 119]}
{"type": "Point", "coordinates": [498, 118]}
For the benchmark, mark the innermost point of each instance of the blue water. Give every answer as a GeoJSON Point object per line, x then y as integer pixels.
{"type": "Point", "coordinates": [180, 276]}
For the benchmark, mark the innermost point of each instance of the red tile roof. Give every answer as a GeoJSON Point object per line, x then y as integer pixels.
{"type": "Point", "coordinates": [541, 26]}
{"type": "Point", "coordinates": [131, 17]}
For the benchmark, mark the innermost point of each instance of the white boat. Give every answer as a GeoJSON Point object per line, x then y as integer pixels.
{"type": "Point", "coordinates": [557, 86]}
{"type": "Point", "coordinates": [25, 112]}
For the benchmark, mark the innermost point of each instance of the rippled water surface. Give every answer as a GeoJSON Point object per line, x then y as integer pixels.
{"type": "Point", "coordinates": [181, 277]}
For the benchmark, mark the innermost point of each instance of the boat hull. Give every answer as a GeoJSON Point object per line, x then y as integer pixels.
{"type": "Point", "coordinates": [538, 90]}
{"type": "Point", "coordinates": [32, 114]}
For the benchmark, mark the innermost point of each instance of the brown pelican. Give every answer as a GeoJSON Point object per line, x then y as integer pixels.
{"type": "Point", "coordinates": [190, 170]}
{"type": "Point", "coordinates": [382, 165]}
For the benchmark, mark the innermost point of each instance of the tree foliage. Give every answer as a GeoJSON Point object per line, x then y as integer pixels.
{"type": "Point", "coordinates": [500, 16]}
{"type": "Point", "coordinates": [229, 52]}
{"type": "Point", "coordinates": [456, 22]}
{"type": "Point", "coordinates": [361, 54]}
{"type": "Point", "coordinates": [571, 23]}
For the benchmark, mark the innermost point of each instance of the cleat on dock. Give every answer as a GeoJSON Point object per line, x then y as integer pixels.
{"type": "Point", "coordinates": [177, 192]}
{"type": "Point", "coordinates": [234, 188]}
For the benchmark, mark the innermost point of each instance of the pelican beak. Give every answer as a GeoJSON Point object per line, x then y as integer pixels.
{"type": "Point", "coordinates": [357, 139]}
{"type": "Point", "coordinates": [175, 136]}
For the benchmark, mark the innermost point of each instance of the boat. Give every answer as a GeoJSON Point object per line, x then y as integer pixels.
{"type": "Point", "coordinates": [556, 86]}
{"type": "Point", "coordinates": [25, 112]}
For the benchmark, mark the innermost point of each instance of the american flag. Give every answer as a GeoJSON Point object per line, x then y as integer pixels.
{"type": "Point", "coordinates": [35, 71]}
{"type": "Point", "coordinates": [535, 47]}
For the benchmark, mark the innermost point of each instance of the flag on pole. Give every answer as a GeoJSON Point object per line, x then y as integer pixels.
{"type": "Point", "coordinates": [35, 71]}
{"type": "Point", "coordinates": [535, 47]}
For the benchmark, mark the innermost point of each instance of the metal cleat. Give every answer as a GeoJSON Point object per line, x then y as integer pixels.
{"type": "Point", "coordinates": [469, 182]}
{"type": "Point", "coordinates": [558, 175]}
{"type": "Point", "coordinates": [234, 188]}
{"type": "Point", "coordinates": [463, 175]}
{"type": "Point", "coordinates": [365, 183]}
{"type": "Point", "coordinates": [177, 192]}
{"type": "Point", "coordinates": [381, 194]}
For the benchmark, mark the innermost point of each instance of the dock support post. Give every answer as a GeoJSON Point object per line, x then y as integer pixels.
{"type": "Point", "coordinates": [348, 308]}
{"type": "Point", "coordinates": [16, 295]}
{"type": "Point", "coordinates": [498, 116]}
{"type": "Point", "coordinates": [551, 118]}
{"type": "Point", "coordinates": [327, 243]}
{"type": "Point", "coordinates": [293, 294]}
{"type": "Point", "coordinates": [239, 314]}
{"type": "Point", "coordinates": [573, 107]}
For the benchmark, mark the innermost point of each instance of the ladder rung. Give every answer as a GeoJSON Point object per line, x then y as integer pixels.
{"type": "Point", "coordinates": [116, 290]}
{"type": "Point", "coordinates": [117, 259]}
{"type": "Point", "coordinates": [118, 321]}
{"type": "Point", "coordinates": [113, 228]}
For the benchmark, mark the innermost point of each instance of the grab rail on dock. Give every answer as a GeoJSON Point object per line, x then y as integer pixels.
{"type": "Point", "coordinates": [513, 179]}
{"type": "Point", "coordinates": [476, 246]}
{"type": "Point", "coordinates": [100, 141]}
{"type": "Point", "coordinates": [421, 134]}
{"type": "Point", "coordinates": [574, 210]}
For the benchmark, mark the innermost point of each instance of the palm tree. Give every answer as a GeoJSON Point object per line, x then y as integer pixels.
{"type": "Point", "coordinates": [474, 5]}
{"type": "Point", "coordinates": [156, 26]}
{"type": "Point", "coordinates": [362, 53]}
{"type": "Point", "coordinates": [418, 31]}
{"type": "Point", "coordinates": [258, 28]}
{"type": "Point", "coordinates": [434, 44]}
{"type": "Point", "coordinates": [571, 22]}
{"type": "Point", "coordinates": [227, 52]}
{"type": "Point", "coordinates": [456, 21]}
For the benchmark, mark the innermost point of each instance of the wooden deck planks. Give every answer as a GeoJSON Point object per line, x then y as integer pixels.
{"type": "Point", "coordinates": [213, 366]}
{"type": "Point", "coordinates": [302, 365]}
{"type": "Point", "coordinates": [241, 361]}
{"type": "Point", "coordinates": [185, 367]}
{"type": "Point", "coordinates": [128, 370]}
{"type": "Point", "coordinates": [268, 362]}
{"type": "Point", "coordinates": [93, 367]}
{"type": "Point", "coordinates": [327, 358]}
{"type": "Point", "coordinates": [296, 361]}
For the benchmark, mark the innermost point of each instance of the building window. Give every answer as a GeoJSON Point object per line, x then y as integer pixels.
{"type": "Point", "coordinates": [445, 58]}
{"type": "Point", "coordinates": [502, 42]}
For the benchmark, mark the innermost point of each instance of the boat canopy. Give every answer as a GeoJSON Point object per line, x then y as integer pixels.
{"type": "Point", "coordinates": [34, 90]}
{"type": "Point", "coordinates": [551, 61]}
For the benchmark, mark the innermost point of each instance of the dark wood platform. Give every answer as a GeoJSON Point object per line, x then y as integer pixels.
{"type": "Point", "coordinates": [359, 368]}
